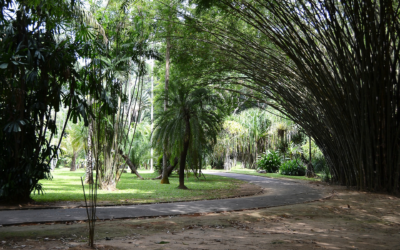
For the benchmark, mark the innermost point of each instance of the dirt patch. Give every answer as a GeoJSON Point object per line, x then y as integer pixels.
{"type": "Point", "coordinates": [244, 189]}
{"type": "Point", "coordinates": [346, 220]}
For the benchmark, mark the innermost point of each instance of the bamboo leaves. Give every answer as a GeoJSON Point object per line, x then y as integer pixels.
{"type": "Point", "coordinates": [331, 67]}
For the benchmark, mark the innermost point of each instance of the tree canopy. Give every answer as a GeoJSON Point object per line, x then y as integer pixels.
{"type": "Point", "coordinates": [326, 70]}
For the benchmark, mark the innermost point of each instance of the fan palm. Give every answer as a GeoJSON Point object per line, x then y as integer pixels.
{"type": "Point", "coordinates": [77, 140]}
{"type": "Point", "coordinates": [189, 125]}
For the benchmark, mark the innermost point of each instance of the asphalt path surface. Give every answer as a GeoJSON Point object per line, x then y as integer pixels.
{"type": "Point", "coordinates": [277, 192]}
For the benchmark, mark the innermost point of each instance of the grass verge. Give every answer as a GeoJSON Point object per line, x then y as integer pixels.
{"type": "Point", "coordinates": [66, 186]}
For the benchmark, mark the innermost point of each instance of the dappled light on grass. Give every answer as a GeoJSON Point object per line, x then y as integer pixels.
{"type": "Point", "coordinates": [66, 186]}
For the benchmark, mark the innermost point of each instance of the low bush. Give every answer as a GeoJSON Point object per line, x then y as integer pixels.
{"type": "Point", "coordinates": [294, 168]}
{"type": "Point", "coordinates": [217, 164]}
{"type": "Point", "coordinates": [319, 164]}
{"type": "Point", "coordinates": [158, 166]}
{"type": "Point", "coordinates": [269, 162]}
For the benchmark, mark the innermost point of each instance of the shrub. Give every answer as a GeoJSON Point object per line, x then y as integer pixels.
{"type": "Point", "coordinates": [298, 138]}
{"type": "Point", "coordinates": [269, 162]}
{"type": "Point", "coordinates": [158, 167]}
{"type": "Point", "coordinates": [217, 164]}
{"type": "Point", "coordinates": [319, 164]}
{"type": "Point", "coordinates": [321, 167]}
{"type": "Point", "coordinates": [294, 168]}
{"type": "Point", "coordinates": [283, 147]}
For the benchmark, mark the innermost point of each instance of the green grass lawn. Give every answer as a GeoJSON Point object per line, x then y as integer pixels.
{"type": "Point", "coordinates": [273, 175]}
{"type": "Point", "coordinates": [66, 186]}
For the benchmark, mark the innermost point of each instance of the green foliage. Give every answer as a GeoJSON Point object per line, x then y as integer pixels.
{"type": "Point", "coordinates": [120, 68]}
{"type": "Point", "coordinates": [315, 151]}
{"type": "Point", "coordinates": [245, 133]}
{"type": "Point", "coordinates": [217, 163]}
{"type": "Point", "coordinates": [283, 147]}
{"type": "Point", "coordinates": [140, 151]}
{"type": "Point", "coordinates": [294, 150]}
{"type": "Point", "coordinates": [74, 142]}
{"type": "Point", "coordinates": [269, 162]}
{"type": "Point", "coordinates": [298, 138]}
{"type": "Point", "coordinates": [191, 122]}
{"type": "Point", "coordinates": [37, 77]}
{"type": "Point", "coordinates": [322, 67]}
{"type": "Point", "coordinates": [293, 167]}
{"type": "Point", "coordinates": [272, 175]}
{"type": "Point", "coordinates": [319, 164]}
{"type": "Point", "coordinates": [158, 166]}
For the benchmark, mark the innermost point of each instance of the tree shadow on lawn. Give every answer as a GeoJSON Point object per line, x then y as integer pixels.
{"type": "Point", "coordinates": [66, 187]}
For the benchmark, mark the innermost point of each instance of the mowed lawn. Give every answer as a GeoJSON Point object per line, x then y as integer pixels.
{"type": "Point", "coordinates": [66, 186]}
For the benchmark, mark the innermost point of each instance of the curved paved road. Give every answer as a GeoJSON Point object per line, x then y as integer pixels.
{"type": "Point", "coordinates": [277, 193]}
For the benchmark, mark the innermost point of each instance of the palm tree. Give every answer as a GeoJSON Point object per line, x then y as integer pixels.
{"type": "Point", "coordinates": [189, 125]}
{"type": "Point", "coordinates": [74, 142]}
{"type": "Point", "coordinates": [78, 139]}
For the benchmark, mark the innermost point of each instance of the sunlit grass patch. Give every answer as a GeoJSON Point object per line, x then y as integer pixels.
{"type": "Point", "coordinates": [66, 186]}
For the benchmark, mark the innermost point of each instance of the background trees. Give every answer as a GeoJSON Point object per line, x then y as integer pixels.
{"type": "Point", "coordinates": [74, 143]}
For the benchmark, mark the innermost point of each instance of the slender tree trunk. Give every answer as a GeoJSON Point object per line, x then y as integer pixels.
{"type": "Point", "coordinates": [227, 161]}
{"type": "Point", "coordinates": [170, 168]}
{"type": "Point", "coordinates": [89, 161]}
{"type": "Point", "coordinates": [265, 144]}
{"type": "Point", "coordinates": [182, 162]}
{"type": "Point", "coordinates": [234, 156]}
{"type": "Point", "coordinates": [310, 168]}
{"type": "Point", "coordinates": [309, 148]}
{"type": "Point", "coordinates": [182, 165]}
{"type": "Point", "coordinates": [165, 179]}
{"type": "Point", "coordinates": [73, 162]}
{"type": "Point", "coordinates": [243, 160]}
{"type": "Point", "coordinates": [131, 166]}
{"type": "Point", "coordinates": [255, 155]}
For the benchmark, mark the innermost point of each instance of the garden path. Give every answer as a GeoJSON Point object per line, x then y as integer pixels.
{"type": "Point", "coordinates": [277, 192]}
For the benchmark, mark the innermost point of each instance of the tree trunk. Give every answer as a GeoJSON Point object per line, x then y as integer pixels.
{"type": "Point", "coordinates": [53, 163]}
{"type": "Point", "coordinates": [131, 166]}
{"type": "Point", "coordinates": [255, 155]}
{"type": "Point", "coordinates": [227, 161]}
{"type": "Point", "coordinates": [107, 181]}
{"type": "Point", "coordinates": [182, 162]}
{"type": "Point", "coordinates": [309, 150]}
{"type": "Point", "coordinates": [170, 168]}
{"type": "Point", "coordinates": [234, 159]}
{"type": "Point", "coordinates": [165, 179]}
{"type": "Point", "coordinates": [89, 161]}
{"type": "Point", "coordinates": [310, 168]}
{"type": "Point", "coordinates": [73, 162]}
